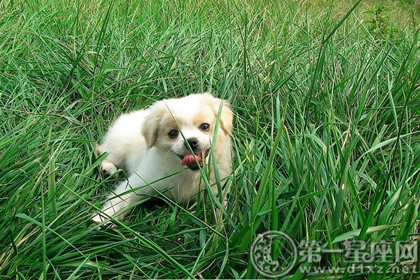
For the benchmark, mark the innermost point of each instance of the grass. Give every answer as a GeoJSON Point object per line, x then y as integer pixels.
{"type": "Point", "coordinates": [326, 133]}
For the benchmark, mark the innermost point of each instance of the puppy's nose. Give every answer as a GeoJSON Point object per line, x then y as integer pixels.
{"type": "Point", "coordinates": [193, 143]}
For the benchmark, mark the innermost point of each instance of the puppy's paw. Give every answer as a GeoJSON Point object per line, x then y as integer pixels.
{"type": "Point", "coordinates": [100, 218]}
{"type": "Point", "coordinates": [108, 167]}
{"type": "Point", "coordinates": [104, 219]}
{"type": "Point", "coordinates": [104, 216]}
{"type": "Point", "coordinates": [112, 208]}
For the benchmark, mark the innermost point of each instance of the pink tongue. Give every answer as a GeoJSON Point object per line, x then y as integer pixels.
{"type": "Point", "coordinates": [189, 159]}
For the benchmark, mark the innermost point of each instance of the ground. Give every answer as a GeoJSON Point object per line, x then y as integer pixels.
{"type": "Point", "coordinates": [326, 132]}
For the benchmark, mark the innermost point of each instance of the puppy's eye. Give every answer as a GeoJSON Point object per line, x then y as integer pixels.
{"type": "Point", "coordinates": [173, 133]}
{"type": "Point", "coordinates": [204, 126]}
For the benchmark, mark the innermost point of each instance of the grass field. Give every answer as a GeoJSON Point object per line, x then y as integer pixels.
{"type": "Point", "coordinates": [326, 131]}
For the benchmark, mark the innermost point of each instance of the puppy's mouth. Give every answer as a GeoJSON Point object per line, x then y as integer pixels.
{"type": "Point", "coordinates": [191, 162]}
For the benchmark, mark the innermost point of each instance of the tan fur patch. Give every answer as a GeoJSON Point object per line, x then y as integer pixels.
{"type": "Point", "coordinates": [205, 115]}
{"type": "Point", "coordinates": [168, 123]}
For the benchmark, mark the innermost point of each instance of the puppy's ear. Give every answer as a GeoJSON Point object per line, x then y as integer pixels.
{"type": "Point", "coordinates": [151, 122]}
{"type": "Point", "coordinates": [226, 116]}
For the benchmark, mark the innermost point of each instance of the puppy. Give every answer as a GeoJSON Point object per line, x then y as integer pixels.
{"type": "Point", "coordinates": [163, 147]}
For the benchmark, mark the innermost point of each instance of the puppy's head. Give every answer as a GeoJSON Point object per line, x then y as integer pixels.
{"type": "Point", "coordinates": [187, 124]}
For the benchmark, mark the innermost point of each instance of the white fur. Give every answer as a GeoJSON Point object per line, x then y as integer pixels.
{"type": "Point", "coordinates": [127, 146]}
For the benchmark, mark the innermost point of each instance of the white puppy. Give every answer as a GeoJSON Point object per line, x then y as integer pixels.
{"type": "Point", "coordinates": [154, 145]}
